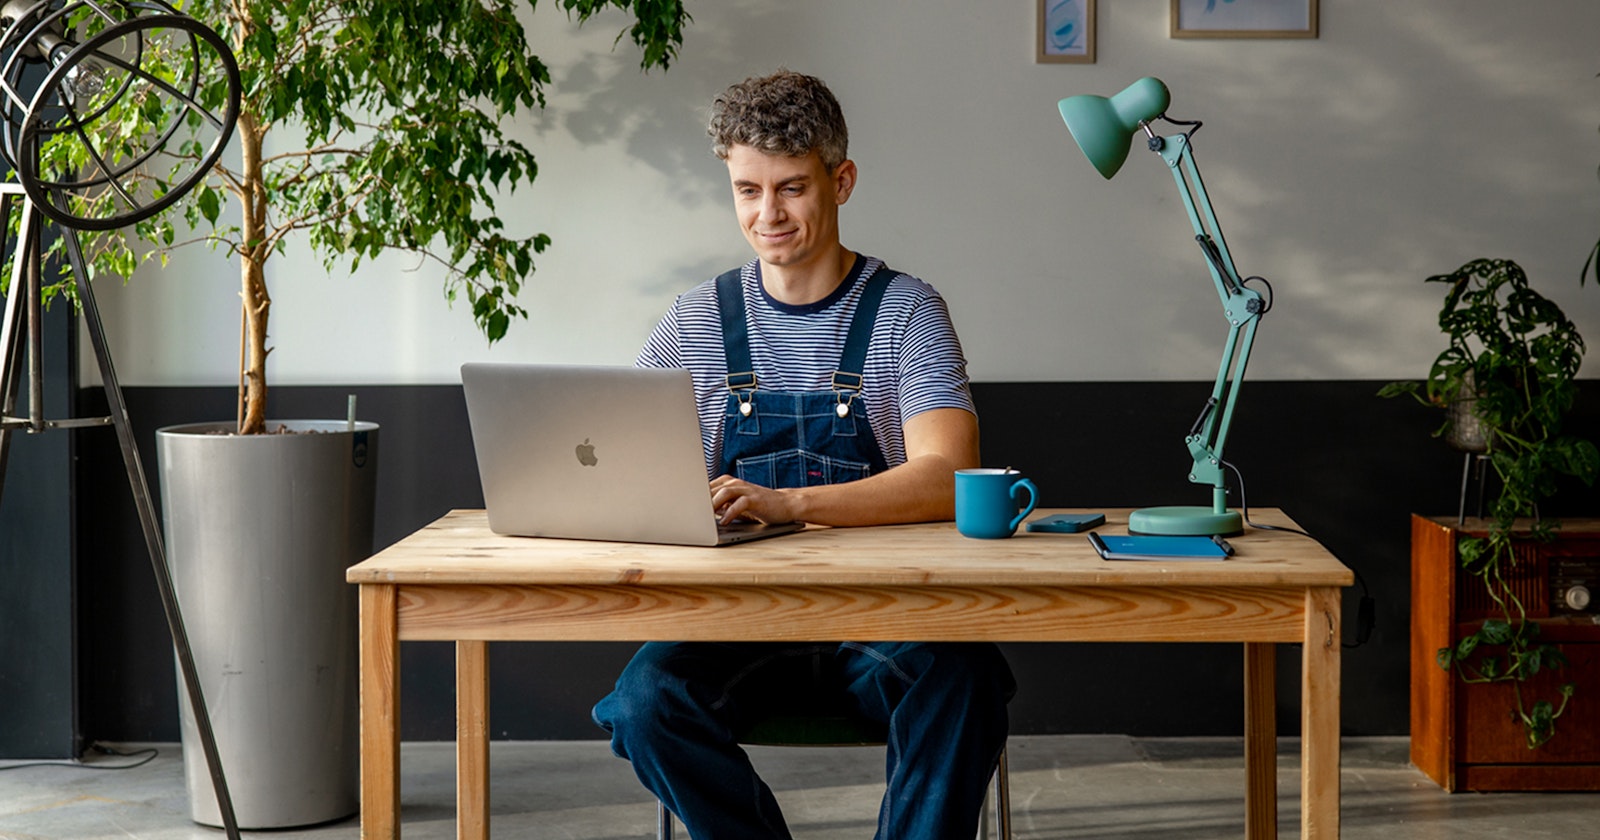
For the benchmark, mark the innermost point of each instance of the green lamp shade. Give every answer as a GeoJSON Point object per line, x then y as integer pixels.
{"type": "Point", "coordinates": [1104, 128]}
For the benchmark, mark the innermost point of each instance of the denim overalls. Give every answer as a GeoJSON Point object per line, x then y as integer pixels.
{"type": "Point", "coordinates": [679, 707]}
{"type": "Point", "coordinates": [798, 438]}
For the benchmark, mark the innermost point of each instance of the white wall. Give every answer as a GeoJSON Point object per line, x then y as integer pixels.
{"type": "Point", "coordinates": [1407, 139]}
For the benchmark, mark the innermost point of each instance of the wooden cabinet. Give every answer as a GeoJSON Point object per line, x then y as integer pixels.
{"type": "Point", "coordinates": [1466, 736]}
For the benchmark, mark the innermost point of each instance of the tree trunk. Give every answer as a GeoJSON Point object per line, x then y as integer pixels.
{"type": "Point", "coordinates": [253, 291]}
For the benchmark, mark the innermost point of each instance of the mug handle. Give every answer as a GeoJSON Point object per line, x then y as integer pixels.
{"type": "Point", "coordinates": [1033, 500]}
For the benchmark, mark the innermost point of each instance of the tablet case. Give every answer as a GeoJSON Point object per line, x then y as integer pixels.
{"type": "Point", "coordinates": [1143, 547]}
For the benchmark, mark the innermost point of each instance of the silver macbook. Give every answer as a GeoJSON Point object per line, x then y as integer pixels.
{"type": "Point", "coordinates": [595, 453]}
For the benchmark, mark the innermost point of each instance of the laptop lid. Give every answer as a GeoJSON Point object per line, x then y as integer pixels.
{"type": "Point", "coordinates": [589, 452]}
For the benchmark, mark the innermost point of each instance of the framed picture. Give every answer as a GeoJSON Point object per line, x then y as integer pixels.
{"type": "Point", "coordinates": [1066, 32]}
{"type": "Point", "coordinates": [1244, 18]}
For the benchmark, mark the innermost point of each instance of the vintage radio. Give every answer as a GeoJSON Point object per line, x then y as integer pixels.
{"type": "Point", "coordinates": [1552, 580]}
{"type": "Point", "coordinates": [1465, 736]}
{"type": "Point", "coordinates": [1573, 581]}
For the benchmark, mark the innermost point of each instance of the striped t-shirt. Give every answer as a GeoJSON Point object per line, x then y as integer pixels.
{"type": "Point", "coordinates": [914, 360]}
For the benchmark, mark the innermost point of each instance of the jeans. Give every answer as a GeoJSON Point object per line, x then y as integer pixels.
{"type": "Point", "coordinates": [679, 709]}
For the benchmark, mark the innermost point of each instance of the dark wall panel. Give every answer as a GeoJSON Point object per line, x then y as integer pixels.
{"type": "Point", "coordinates": [1348, 466]}
{"type": "Point", "coordinates": [37, 645]}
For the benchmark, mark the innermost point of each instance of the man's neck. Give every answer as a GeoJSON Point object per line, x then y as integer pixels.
{"type": "Point", "coordinates": [798, 285]}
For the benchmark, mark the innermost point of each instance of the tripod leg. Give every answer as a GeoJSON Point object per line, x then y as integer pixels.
{"type": "Point", "coordinates": [152, 534]}
{"type": "Point", "coordinates": [11, 326]}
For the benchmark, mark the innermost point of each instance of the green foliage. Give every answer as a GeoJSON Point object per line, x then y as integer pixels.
{"type": "Point", "coordinates": [1517, 355]}
{"type": "Point", "coordinates": [398, 109]}
{"type": "Point", "coordinates": [1522, 355]}
{"type": "Point", "coordinates": [657, 28]}
{"type": "Point", "coordinates": [1539, 722]}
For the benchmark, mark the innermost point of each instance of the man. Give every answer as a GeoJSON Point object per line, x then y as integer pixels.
{"type": "Point", "coordinates": [831, 390]}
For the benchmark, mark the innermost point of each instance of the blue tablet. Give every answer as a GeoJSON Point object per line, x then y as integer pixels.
{"type": "Point", "coordinates": [1142, 547]}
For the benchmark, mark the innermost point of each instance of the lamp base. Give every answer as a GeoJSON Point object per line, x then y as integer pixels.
{"type": "Point", "coordinates": [1185, 521]}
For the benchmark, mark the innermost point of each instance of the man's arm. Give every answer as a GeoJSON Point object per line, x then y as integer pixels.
{"type": "Point", "coordinates": [938, 442]}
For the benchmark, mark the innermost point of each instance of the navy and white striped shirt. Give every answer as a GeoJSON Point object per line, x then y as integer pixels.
{"type": "Point", "coordinates": [914, 360]}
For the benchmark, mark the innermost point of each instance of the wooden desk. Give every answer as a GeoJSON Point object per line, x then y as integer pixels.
{"type": "Point", "coordinates": [456, 581]}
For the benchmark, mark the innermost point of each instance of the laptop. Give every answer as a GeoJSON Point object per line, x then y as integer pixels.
{"type": "Point", "coordinates": [594, 453]}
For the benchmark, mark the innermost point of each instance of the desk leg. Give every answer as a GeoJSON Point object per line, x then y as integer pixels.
{"type": "Point", "coordinates": [380, 714]}
{"type": "Point", "coordinates": [472, 740]}
{"type": "Point", "coordinates": [1319, 726]}
{"type": "Point", "coordinates": [1260, 741]}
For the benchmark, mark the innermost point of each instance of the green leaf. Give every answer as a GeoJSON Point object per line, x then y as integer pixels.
{"type": "Point", "coordinates": [210, 204]}
{"type": "Point", "coordinates": [496, 328]}
{"type": "Point", "coordinates": [1495, 631]}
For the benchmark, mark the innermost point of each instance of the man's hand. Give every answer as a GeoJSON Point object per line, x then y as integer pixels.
{"type": "Point", "coordinates": [938, 443]}
{"type": "Point", "coordinates": [732, 499]}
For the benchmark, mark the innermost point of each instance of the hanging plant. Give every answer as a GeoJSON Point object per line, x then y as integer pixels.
{"type": "Point", "coordinates": [1512, 358]}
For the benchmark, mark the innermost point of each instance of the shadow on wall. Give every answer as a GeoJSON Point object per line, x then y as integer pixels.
{"type": "Point", "coordinates": [596, 97]}
{"type": "Point", "coordinates": [1394, 147]}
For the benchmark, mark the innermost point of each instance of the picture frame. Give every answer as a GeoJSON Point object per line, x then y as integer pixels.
{"type": "Point", "coordinates": [1244, 19]}
{"type": "Point", "coordinates": [1066, 32]}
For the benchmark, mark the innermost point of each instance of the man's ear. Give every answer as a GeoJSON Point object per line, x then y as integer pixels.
{"type": "Point", "coordinates": [844, 180]}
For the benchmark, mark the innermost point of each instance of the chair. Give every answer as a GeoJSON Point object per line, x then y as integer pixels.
{"type": "Point", "coordinates": [831, 730]}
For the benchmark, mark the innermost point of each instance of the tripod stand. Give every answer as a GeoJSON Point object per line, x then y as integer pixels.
{"type": "Point", "coordinates": [24, 304]}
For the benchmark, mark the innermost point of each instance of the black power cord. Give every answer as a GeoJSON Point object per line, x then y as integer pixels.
{"type": "Point", "coordinates": [145, 756]}
{"type": "Point", "coordinates": [1267, 305]}
{"type": "Point", "coordinates": [1366, 611]}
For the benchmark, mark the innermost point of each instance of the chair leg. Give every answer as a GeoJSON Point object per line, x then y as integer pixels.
{"type": "Point", "coordinates": [1002, 796]}
{"type": "Point", "coordinates": [663, 822]}
{"type": "Point", "coordinates": [997, 800]}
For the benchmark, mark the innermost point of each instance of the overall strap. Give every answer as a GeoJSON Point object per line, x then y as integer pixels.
{"type": "Point", "coordinates": [736, 339]}
{"type": "Point", "coordinates": [854, 358]}
{"type": "Point", "coordinates": [735, 336]}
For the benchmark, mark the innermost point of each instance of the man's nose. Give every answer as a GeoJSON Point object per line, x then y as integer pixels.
{"type": "Point", "coordinates": [771, 208]}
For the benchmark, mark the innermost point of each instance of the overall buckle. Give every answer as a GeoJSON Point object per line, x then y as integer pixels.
{"type": "Point", "coordinates": [846, 386]}
{"type": "Point", "coordinates": [743, 386]}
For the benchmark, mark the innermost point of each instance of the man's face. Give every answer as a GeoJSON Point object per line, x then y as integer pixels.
{"type": "Point", "coordinates": [788, 207]}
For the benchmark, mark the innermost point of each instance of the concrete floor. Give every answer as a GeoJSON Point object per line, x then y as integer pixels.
{"type": "Point", "coordinates": [1061, 787]}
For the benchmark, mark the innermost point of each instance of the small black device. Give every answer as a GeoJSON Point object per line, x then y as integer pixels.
{"type": "Point", "coordinates": [1067, 523]}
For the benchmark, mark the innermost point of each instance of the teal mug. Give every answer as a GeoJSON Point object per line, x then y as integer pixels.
{"type": "Point", "coordinates": [987, 507]}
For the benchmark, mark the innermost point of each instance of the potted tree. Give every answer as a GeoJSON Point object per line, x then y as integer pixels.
{"type": "Point", "coordinates": [364, 126]}
{"type": "Point", "coordinates": [1509, 367]}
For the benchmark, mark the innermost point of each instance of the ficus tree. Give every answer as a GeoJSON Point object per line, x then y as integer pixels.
{"type": "Point", "coordinates": [364, 126]}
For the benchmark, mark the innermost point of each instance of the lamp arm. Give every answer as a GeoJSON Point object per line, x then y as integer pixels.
{"type": "Point", "coordinates": [1242, 306]}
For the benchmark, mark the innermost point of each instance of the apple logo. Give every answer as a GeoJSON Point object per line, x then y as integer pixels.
{"type": "Point", "coordinates": [586, 454]}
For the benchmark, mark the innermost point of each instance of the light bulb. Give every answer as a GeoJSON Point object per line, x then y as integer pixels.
{"type": "Point", "coordinates": [86, 79]}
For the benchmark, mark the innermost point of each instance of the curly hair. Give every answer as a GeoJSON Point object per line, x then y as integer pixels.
{"type": "Point", "coordinates": [786, 113]}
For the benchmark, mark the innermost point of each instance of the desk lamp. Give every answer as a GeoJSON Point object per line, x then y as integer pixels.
{"type": "Point", "coordinates": [1104, 129]}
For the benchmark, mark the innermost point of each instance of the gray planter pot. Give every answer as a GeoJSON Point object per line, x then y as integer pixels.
{"type": "Point", "coordinates": [1465, 431]}
{"type": "Point", "coordinates": [259, 532]}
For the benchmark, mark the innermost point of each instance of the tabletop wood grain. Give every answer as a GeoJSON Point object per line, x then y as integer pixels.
{"type": "Point", "coordinates": [459, 549]}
